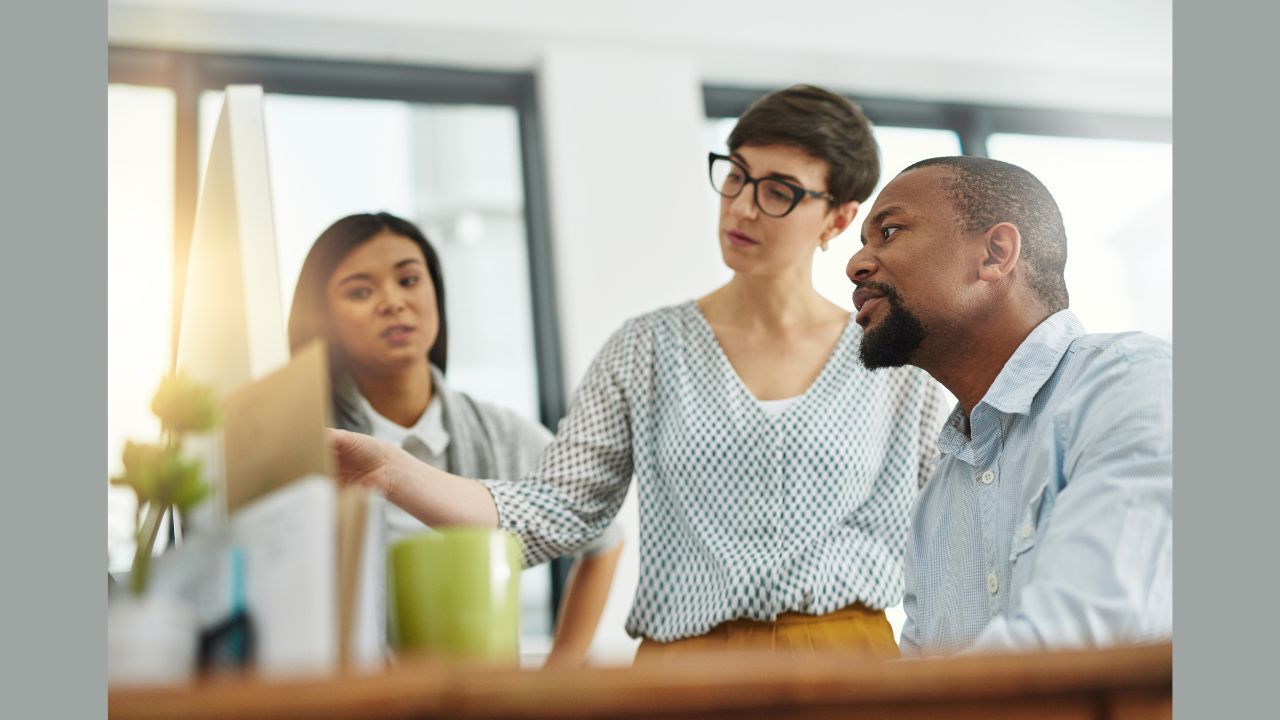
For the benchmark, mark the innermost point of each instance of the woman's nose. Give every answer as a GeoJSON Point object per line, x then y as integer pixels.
{"type": "Point", "coordinates": [391, 303]}
{"type": "Point", "coordinates": [744, 206]}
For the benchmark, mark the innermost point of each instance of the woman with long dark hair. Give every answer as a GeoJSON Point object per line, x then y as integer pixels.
{"type": "Point", "coordinates": [372, 287]}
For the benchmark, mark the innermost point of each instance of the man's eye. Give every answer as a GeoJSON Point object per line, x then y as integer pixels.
{"type": "Point", "coordinates": [888, 231]}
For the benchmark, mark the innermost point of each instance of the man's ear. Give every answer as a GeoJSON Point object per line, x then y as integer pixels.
{"type": "Point", "coordinates": [1001, 249]}
{"type": "Point", "coordinates": [842, 217]}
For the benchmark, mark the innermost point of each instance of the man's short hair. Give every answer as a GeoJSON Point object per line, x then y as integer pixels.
{"type": "Point", "coordinates": [986, 192]}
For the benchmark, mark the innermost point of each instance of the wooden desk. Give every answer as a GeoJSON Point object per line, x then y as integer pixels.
{"type": "Point", "coordinates": [1120, 684]}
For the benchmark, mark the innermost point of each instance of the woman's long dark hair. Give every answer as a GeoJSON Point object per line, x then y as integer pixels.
{"type": "Point", "coordinates": [309, 313]}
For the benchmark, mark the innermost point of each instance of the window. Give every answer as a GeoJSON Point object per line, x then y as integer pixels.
{"type": "Point", "coordinates": [1116, 198]}
{"type": "Point", "coordinates": [453, 151]}
{"type": "Point", "coordinates": [1110, 174]}
{"type": "Point", "coordinates": [140, 132]}
{"type": "Point", "coordinates": [899, 147]}
{"type": "Point", "coordinates": [454, 170]}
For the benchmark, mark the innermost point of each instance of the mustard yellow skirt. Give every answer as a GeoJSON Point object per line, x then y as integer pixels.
{"type": "Point", "coordinates": [851, 629]}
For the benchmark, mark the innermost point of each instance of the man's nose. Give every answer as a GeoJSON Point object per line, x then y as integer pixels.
{"type": "Point", "coordinates": [861, 266]}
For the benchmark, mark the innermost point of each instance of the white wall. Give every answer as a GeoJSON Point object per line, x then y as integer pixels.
{"type": "Point", "coordinates": [628, 202]}
{"type": "Point", "coordinates": [1096, 54]}
{"type": "Point", "coordinates": [620, 92]}
{"type": "Point", "coordinates": [628, 217]}
{"type": "Point", "coordinates": [622, 80]}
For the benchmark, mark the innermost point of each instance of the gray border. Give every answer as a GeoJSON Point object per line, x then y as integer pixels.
{"type": "Point", "coordinates": [54, 434]}
{"type": "Point", "coordinates": [1225, 389]}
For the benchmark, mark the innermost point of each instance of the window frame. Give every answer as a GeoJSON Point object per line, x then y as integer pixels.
{"type": "Point", "coordinates": [188, 74]}
{"type": "Point", "coordinates": [973, 123]}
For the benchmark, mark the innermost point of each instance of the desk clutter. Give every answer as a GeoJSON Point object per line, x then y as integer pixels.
{"type": "Point", "coordinates": [280, 571]}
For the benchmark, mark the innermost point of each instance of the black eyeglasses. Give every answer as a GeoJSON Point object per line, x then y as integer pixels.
{"type": "Point", "coordinates": [774, 196]}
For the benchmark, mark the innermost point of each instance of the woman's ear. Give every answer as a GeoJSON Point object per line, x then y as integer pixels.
{"type": "Point", "coordinates": [841, 217]}
{"type": "Point", "coordinates": [1002, 247]}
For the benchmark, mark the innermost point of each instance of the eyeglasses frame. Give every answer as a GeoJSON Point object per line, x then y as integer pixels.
{"type": "Point", "coordinates": [799, 193]}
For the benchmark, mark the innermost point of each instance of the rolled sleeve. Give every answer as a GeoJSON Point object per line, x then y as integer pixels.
{"type": "Point", "coordinates": [582, 478]}
{"type": "Point", "coordinates": [607, 541]}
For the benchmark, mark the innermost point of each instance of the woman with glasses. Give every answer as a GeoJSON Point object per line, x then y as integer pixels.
{"type": "Point", "coordinates": [774, 472]}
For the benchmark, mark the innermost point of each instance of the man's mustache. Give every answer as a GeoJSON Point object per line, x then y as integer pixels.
{"type": "Point", "coordinates": [890, 293]}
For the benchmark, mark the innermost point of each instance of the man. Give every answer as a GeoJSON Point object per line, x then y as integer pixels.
{"type": "Point", "coordinates": [1048, 522]}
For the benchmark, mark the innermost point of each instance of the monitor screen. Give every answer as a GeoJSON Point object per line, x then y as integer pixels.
{"type": "Point", "coordinates": [232, 329]}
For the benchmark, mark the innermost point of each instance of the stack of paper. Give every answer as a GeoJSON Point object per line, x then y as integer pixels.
{"type": "Point", "coordinates": [312, 551]}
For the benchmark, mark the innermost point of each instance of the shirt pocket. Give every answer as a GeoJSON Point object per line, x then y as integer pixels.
{"type": "Point", "coordinates": [1027, 530]}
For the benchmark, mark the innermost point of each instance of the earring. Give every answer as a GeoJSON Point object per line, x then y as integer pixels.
{"type": "Point", "coordinates": [823, 245]}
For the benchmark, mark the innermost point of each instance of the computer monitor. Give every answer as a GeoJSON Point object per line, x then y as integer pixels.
{"type": "Point", "coordinates": [232, 336]}
{"type": "Point", "coordinates": [232, 329]}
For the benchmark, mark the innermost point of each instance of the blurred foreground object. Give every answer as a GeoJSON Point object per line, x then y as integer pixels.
{"type": "Point", "coordinates": [1127, 682]}
{"type": "Point", "coordinates": [152, 637]}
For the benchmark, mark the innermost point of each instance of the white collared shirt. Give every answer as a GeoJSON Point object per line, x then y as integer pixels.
{"type": "Point", "coordinates": [427, 440]}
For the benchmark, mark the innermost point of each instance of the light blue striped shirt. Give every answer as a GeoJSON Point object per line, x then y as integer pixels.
{"type": "Point", "coordinates": [1049, 520]}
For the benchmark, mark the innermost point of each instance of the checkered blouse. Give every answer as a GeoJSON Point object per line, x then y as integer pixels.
{"type": "Point", "coordinates": [743, 514]}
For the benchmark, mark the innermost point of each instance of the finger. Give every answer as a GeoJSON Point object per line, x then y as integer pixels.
{"type": "Point", "coordinates": [342, 442]}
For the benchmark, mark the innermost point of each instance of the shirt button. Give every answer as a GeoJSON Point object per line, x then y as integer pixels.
{"type": "Point", "coordinates": [993, 583]}
{"type": "Point", "coordinates": [987, 477]}
{"type": "Point", "coordinates": [1027, 530]}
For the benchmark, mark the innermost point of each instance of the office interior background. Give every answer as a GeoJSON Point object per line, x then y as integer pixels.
{"type": "Point", "coordinates": [555, 154]}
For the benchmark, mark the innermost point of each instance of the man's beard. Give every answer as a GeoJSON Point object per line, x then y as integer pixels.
{"type": "Point", "coordinates": [899, 334]}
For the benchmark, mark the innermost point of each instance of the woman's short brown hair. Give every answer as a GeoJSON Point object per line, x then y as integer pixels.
{"type": "Point", "coordinates": [823, 124]}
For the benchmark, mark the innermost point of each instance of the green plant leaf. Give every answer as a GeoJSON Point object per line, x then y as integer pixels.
{"type": "Point", "coordinates": [188, 486]}
{"type": "Point", "coordinates": [184, 405]}
{"type": "Point", "coordinates": [144, 466]}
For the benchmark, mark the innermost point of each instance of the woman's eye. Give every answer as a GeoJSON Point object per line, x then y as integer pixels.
{"type": "Point", "coordinates": [779, 195]}
{"type": "Point", "coordinates": [359, 293]}
{"type": "Point", "coordinates": [409, 281]}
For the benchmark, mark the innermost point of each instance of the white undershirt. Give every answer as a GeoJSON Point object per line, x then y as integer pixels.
{"type": "Point", "coordinates": [775, 408]}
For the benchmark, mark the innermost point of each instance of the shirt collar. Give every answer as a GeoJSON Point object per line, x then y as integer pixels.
{"type": "Point", "coordinates": [429, 429]}
{"type": "Point", "coordinates": [1032, 363]}
{"type": "Point", "coordinates": [973, 439]}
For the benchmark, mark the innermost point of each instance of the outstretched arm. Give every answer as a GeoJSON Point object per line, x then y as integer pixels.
{"type": "Point", "coordinates": [435, 497]}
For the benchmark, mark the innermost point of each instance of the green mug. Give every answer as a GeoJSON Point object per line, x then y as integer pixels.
{"type": "Point", "coordinates": [455, 592]}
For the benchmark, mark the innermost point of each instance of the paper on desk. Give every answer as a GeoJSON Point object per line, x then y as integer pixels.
{"type": "Point", "coordinates": [274, 428]}
{"type": "Point", "coordinates": [274, 438]}
{"type": "Point", "coordinates": [361, 578]}
{"type": "Point", "coordinates": [288, 540]}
